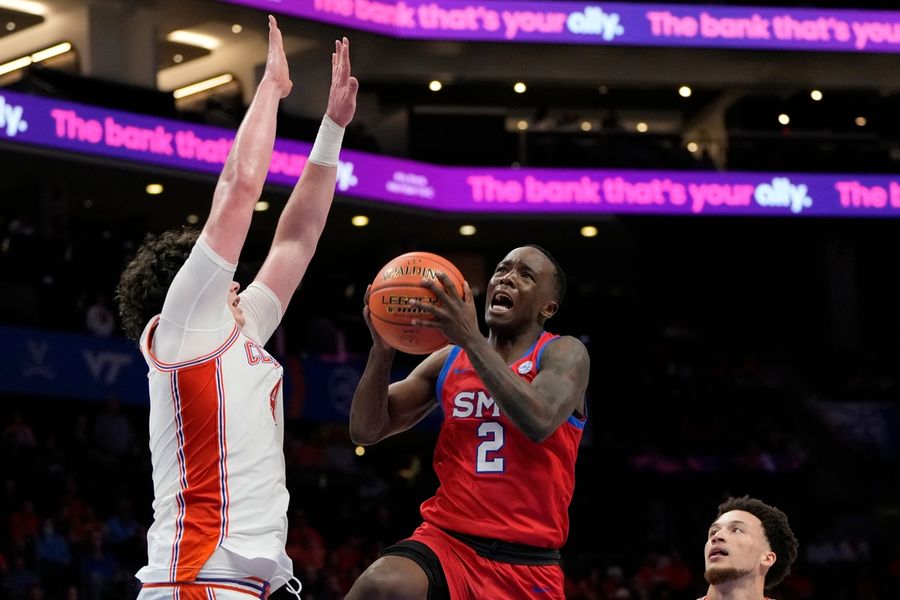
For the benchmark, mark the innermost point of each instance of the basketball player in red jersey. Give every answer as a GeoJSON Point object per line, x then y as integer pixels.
{"type": "Point", "coordinates": [216, 399]}
{"type": "Point", "coordinates": [750, 548]}
{"type": "Point", "coordinates": [514, 412]}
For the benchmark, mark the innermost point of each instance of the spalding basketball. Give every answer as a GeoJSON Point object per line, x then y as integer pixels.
{"type": "Point", "coordinates": [396, 284]}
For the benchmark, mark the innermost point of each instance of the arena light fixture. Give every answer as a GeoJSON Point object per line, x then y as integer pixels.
{"type": "Point", "coordinates": [435, 85]}
{"type": "Point", "coordinates": [685, 91]}
{"type": "Point", "coordinates": [816, 95]}
{"type": "Point", "coordinates": [360, 450]}
{"type": "Point", "coordinates": [236, 28]}
{"type": "Point", "coordinates": [589, 231]}
{"type": "Point", "coordinates": [25, 6]}
{"type": "Point", "coordinates": [36, 57]}
{"type": "Point", "coordinates": [178, 58]}
{"type": "Point", "coordinates": [359, 221]}
{"type": "Point", "coordinates": [15, 65]}
{"type": "Point", "coordinates": [522, 125]}
{"type": "Point", "coordinates": [51, 52]}
{"type": "Point", "coordinates": [784, 119]}
{"type": "Point", "coordinates": [861, 121]}
{"type": "Point", "coordinates": [261, 206]}
{"type": "Point", "coordinates": [10, 26]}
{"type": "Point", "coordinates": [520, 87]}
{"type": "Point", "coordinates": [193, 219]}
{"type": "Point", "coordinates": [154, 189]}
{"type": "Point", "coordinates": [203, 86]}
{"type": "Point", "coordinates": [693, 146]}
{"type": "Point", "coordinates": [467, 230]}
{"type": "Point", "coordinates": [586, 126]}
{"type": "Point", "coordinates": [642, 127]}
{"type": "Point", "coordinates": [192, 38]}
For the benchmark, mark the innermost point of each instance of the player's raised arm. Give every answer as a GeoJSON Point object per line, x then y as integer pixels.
{"type": "Point", "coordinates": [303, 219]}
{"type": "Point", "coordinates": [244, 173]}
{"type": "Point", "coordinates": [381, 408]}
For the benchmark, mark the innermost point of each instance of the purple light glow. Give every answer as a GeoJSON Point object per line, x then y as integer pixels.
{"type": "Point", "coordinates": [668, 25]}
{"type": "Point", "coordinates": [81, 129]}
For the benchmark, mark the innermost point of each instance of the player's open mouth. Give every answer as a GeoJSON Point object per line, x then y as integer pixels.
{"type": "Point", "coordinates": [718, 552]}
{"type": "Point", "coordinates": [501, 302]}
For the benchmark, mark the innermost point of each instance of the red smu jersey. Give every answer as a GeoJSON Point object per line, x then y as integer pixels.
{"type": "Point", "coordinates": [494, 481]}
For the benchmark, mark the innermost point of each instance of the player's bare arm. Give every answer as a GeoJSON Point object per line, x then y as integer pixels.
{"type": "Point", "coordinates": [381, 409]}
{"type": "Point", "coordinates": [538, 408]}
{"type": "Point", "coordinates": [244, 173]}
{"type": "Point", "coordinates": [303, 218]}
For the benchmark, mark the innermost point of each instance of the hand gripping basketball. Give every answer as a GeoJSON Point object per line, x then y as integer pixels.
{"type": "Point", "coordinates": [401, 296]}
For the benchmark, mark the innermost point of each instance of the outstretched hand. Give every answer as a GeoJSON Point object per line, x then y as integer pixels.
{"type": "Point", "coordinates": [455, 316]}
{"type": "Point", "coordinates": [276, 61]}
{"type": "Point", "coordinates": [342, 97]}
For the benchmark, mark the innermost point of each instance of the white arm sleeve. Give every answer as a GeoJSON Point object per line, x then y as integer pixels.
{"type": "Point", "coordinates": [195, 318]}
{"type": "Point", "coordinates": [262, 310]}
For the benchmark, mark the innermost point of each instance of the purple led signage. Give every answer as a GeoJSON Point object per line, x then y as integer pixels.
{"type": "Point", "coordinates": [696, 26]}
{"type": "Point", "coordinates": [82, 129]}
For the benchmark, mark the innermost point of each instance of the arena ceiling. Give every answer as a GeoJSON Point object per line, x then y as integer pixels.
{"type": "Point", "coordinates": [394, 75]}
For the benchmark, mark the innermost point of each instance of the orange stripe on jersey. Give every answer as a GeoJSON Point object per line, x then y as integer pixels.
{"type": "Point", "coordinates": [200, 419]}
{"type": "Point", "coordinates": [192, 592]}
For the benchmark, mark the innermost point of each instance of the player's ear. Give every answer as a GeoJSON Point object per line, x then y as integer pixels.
{"type": "Point", "coordinates": [549, 309]}
{"type": "Point", "coordinates": [768, 559]}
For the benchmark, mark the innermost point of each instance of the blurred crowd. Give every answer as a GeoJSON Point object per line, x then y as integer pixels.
{"type": "Point", "coordinates": [76, 493]}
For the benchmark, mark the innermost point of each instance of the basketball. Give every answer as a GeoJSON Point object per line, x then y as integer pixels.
{"type": "Point", "coordinates": [396, 284]}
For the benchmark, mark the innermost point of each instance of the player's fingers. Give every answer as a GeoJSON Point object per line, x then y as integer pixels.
{"type": "Point", "coordinates": [425, 307]}
{"type": "Point", "coordinates": [368, 293]}
{"type": "Point", "coordinates": [467, 292]}
{"type": "Point", "coordinates": [274, 33]}
{"type": "Point", "coordinates": [447, 283]}
{"type": "Point", "coordinates": [345, 56]}
{"type": "Point", "coordinates": [436, 287]}
{"type": "Point", "coordinates": [425, 324]}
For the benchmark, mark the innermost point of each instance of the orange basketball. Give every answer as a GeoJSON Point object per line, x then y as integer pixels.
{"type": "Point", "coordinates": [396, 284]}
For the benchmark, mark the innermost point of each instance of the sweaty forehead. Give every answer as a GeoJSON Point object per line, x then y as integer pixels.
{"type": "Point", "coordinates": [530, 257]}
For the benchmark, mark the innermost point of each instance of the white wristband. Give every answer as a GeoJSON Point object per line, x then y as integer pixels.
{"type": "Point", "coordinates": [327, 146]}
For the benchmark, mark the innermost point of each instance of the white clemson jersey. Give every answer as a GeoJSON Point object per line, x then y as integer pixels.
{"type": "Point", "coordinates": [216, 436]}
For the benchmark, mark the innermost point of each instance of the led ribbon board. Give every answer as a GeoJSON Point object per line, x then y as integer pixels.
{"type": "Point", "coordinates": [88, 130]}
{"type": "Point", "coordinates": [667, 25]}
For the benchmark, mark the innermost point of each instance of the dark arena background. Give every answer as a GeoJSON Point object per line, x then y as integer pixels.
{"type": "Point", "coordinates": [720, 184]}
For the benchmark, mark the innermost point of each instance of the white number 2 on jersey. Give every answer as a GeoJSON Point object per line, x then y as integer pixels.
{"type": "Point", "coordinates": [493, 431]}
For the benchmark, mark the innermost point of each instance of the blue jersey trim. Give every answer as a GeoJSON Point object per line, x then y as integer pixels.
{"type": "Point", "coordinates": [579, 423]}
{"type": "Point", "coordinates": [529, 351]}
{"type": "Point", "coordinates": [439, 387]}
{"type": "Point", "coordinates": [249, 583]}
{"type": "Point", "coordinates": [537, 362]}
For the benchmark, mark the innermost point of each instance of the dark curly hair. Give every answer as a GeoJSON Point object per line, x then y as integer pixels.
{"type": "Point", "coordinates": [146, 280]}
{"type": "Point", "coordinates": [778, 533]}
